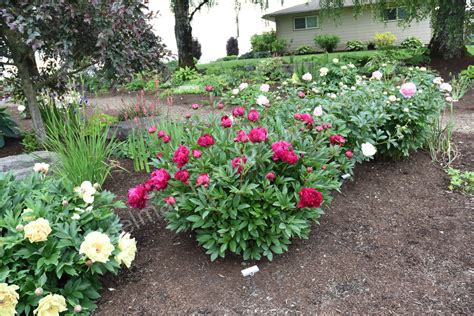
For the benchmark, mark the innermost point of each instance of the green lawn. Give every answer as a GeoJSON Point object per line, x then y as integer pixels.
{"type": "Point", "coordinates": [321, 57]}
{"type": "Point", "coordinates": [470, 49]}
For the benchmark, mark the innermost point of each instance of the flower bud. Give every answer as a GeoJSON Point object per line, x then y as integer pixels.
{"type": "Point", "coordinates": [39, 291]}
{"type": "Point", "coordinates": [96, 186]}
{"type": "Point", "coordinates": [77, 309]}
{"type": "Point", "coordinates": [309, 169]}
{"type": "Point", "coordinates": [19, 227]}
{"type": "Point", "coordinates": [65, 203]}
{"type": "Point", "coordinates": [89, 263]}
{"type": "Point", "coordinates": [270, 176]}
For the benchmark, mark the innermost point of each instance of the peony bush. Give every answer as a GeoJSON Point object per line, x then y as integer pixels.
{"type": "Point", "coordinates": [56, 240]}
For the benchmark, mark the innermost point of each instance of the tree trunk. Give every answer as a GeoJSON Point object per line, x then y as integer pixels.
{"type": "Point", "coordinates": [24, 58]}
{"type": "Point", "coordinates": [183, 33]}
{"type": "Point", "coordinates": [447, 41]}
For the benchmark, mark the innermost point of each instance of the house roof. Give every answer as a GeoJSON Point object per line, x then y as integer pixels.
{"type": "Point", "coordinates": [309, 6]}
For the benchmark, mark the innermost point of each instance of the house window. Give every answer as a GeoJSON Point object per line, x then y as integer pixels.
{"type": "Point", "coordinates": [394, 14]}
{"type": "Point", "coordinates": [306, 22]}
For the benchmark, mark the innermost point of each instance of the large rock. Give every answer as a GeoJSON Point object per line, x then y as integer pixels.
{"type": "Point", "coordinates": [22, 165]}
{"type": "Point", "coordinates": [123, 129]}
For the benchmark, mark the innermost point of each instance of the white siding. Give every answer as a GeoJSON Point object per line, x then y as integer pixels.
{"type": "Point", "coordinates": [348, 28]}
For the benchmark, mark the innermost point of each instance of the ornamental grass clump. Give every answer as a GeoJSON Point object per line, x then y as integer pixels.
{"type": "Point", "coordinates": [56, 240]}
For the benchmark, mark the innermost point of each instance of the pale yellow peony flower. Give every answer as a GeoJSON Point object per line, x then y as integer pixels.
{"type": "Point", "coordinates": [128, 249]}
{"type": "Point", "coordinates": [97, 247]}
{"type": "Point", "coordinates": [51, 305]}
{"type": "Point", "coordinates": [37, 230]}
{"type": "Point", "coordinates": [41, 167]}
{"type": "Point", "coordinates": [8, 299]}
{"type": "Point", "coordinates": [86, 192]}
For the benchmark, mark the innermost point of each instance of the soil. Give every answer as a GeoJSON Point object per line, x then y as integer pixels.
{"type": "Point", "coordinates": [394, 241]}
{"type": "Point", "coordinates": [12, 146]}
{"type": "Point", "coordinates": [449, 68]}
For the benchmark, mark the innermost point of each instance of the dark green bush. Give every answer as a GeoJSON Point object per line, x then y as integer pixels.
{"type": "Point", "coordinates": [263, 42]}
{"type": "Point", "coordinates": [232, 47]}
{"type": "Point", "coordinates": [355, 46]}
{"type": "Point", "coordinates": [327, 42]}
{"type": "Point", "coordinates": [197, 53]}
{"type": "Point", "coordinates": [304, 50]}
{"type": "Point", "coordinates": [411, 43]}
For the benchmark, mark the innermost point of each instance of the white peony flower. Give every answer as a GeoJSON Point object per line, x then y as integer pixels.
{"type": "Point", "coordinates": [445, 87]}
{"type": "Point", "coordinates": [377, 75]}
{"type": "Point", "coordinates": [422, 68]}
{"type": "Point", "coordinates": [97, 247]}
{"type": "Point", "coordinates": [128, 249]}
{"type": "Point", "coordinates": [243, 85]}
{"type": "Point", "coordinates": [343, 67]}
{"type": "Point", "coordinates": [86, 192]}
{"type": "Point", "coordinates": [21, 108]}
{"type": "Point", "coordinates": [438, 80]}
{"type": "Point", "coordinates": [368, 150]}
{"type": "Point", "coordinates": [41, 167]}
{"type": "Point", "coordinates": [307, 77]}
{"type": "Point", "coordinates": [235, 91]}
{"type": "Point", "coordinates": [318, 111]}
{"type": "Point", "coordinates": [264, 87]}
{"type": "Point", "coordinates": [262, 100]}
{"type": "Point", "coordinates": [333, 96]}
{"type": "Point", "coordinates": [335, 60]}
{"type": "Point", "coordinates": [392, 98]}
{"type": "Point", "coordinates": [323, 71]}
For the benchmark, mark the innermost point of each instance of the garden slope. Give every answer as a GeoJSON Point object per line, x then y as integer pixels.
{"type": "Point", "coordinates": [395, 240]}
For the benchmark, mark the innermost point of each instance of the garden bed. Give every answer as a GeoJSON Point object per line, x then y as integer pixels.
{"type": "Point", "coordinates": [394, 241]}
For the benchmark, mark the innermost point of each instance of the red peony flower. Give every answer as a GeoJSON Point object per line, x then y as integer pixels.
{"type": "Point", "coordinates": [151, 129]}
{"type": "Point", "coordinates": [197, 153]}
{"type": "Point", "coordinates": [258, 134]}
{"type": "Point", "coordinates": [159, 179]}
{"type": "Point", "coordinates": [220, 106]}
{"type": "Point", "coordinates": [182, 175]}
{"type": "Point", "coordinates": [238, 111]}
{"type": "Point", "coordinates": [226, 121]}
{"type": "Point", "coordinates": [310, 197]}
{"type": "Point", "coordinates": [166, 139]}
{"type": "Point", "coordinates": [206, 140]}
{"type": "Point", "coordinates": [209, 88]}
{"type": "Point", "coordinates": [270, 176]}
{"type": "Point", "coordinates": [170, 200]}
{"type": "Point", "coordinates": [337, 140]}
{"type": "Point", "coordinates": [253, 115]}
{"type": "Point", "coordinates": [284, 151]}
{"type": "Point", "coordinates": [241, 137]}
{"type": "Point", "coordinates": [290, 157]}
{"type": "Point", "coordinates": [238, 163]}
{"type": "Point", "coordinates": [137, 196]}
{"type": "Point", "coordinates": [304, 117]}
{"type": "Point", "coordinates": [309, 169]}
{"type": "Point", "coordinates": [203, 179]}
{"type": "Point", "coordinates": [181, 156]}
{"type": "Point", "coordinates": [161, 133]}
{"type": "Point", "coordinates": [349, 154]}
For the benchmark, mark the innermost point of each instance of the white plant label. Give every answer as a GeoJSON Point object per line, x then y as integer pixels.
{"type": "Point", "coordinates": [250, 271]}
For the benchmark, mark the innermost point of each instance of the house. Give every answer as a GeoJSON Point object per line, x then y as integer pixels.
{"type": "Point", "coordinates": [298, 25]}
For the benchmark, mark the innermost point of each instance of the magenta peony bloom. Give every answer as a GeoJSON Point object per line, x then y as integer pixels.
{"type": "Point", "coordinates": [138, 196]}
{"type": "Point", "coordinates": [151, 129]}
{"type": "Point", "coordinates": [241, 137]}
{"type": "Point", "coordinates": [203, 179]}
{"type": "Point", "coordinates": [206, 140]}
{"type": "Point", "coordinates": [226, 121]}
{"type": "Point", "coordinates": [310, 197]}
{"type": "Point", "coordinates": [170, 200]}
{"type": "Point", "coordinates": [284, 151]}
{"type": "Point", "coordinates": [304, 117]}
{"type": "Point", "coordinates": [220, 106]}
{"type": "Point", "coordinates": [195, 106]}
{"type": "Point", "coordinates": [238, 163]}
{"type": "Point", "coordinates": [166, 139]}
{"type": "Point", "coordinates": [181, 156]}
{"type": "Point", "coordinates": [253, 115]}
{"type": "Point", "coordinates": [238, 111]}
{"type": "Point", "coordinates": [159, 179]}
{"type": "Point", "coordinates": [349, 154]}
{"type": "Point", "coordinates": [182, 175]}
{"type": "Point", "coordinates": [337, 140]}
{"type": "Point", "coordinates": [301, 94]}
{"type": "Point", "coordinates": [161, 133]}
{"type": "Point", "coordinates": [209, 88]}
{"type": "Point", "coordinates": [270, 176]}
{"type": "Point", "coordinates": [197, 153]}
{"type": "Point", "coordinates": [408, 89]}
{"type": "Point", "coordinates": [258, 134]}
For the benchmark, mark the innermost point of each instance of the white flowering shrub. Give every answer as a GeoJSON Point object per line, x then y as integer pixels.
{"type": "Point", "coordinates": [56, 240]}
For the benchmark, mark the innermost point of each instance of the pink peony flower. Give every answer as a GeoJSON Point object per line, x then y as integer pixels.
{"type": "Point", "coordinates": [220, 106]}
{"type": "Point", "coordinates": [258, 134]}
{"type": "Point", "coordinates": [349, 154]}
{"type": "Point", "coordinates": [337, 140]}
{"type": "Point", "coordinates": [181, 156]}
{"type": "Point", "coordinates": [206, 140]}
{"type": "Point", "coordinates": [305, 117]}
{"type": "Point", "coordinates": [238, 111]}
{"type": "Point", "coordinates": [319, 128]}
{"type": "Point", "coordinates": [264, 87]}
{"type": "Point", "coordinates": [170, 200]}
{"type": "Point", "coordinates": [158, 179]}
{"type": "Point", "coordinates": [209, 88]}
{"type": "Point", "coordinates": [226, 121]}
{"type": "Point", "coordinates": [197, 153]}
{"type": "Point", "coordinates": [151, 129]}
{"type": "Point", "coordinates": [188, 115]}
{"type": "Point", "coordinates": [310, 197]}
{"type": "Point", "coordinates": [270, 176]}
{"type": "Point", "coordinates": [238, 163]}
{"type": "Point", "coordinates": [301, 94]}
{"type": "Point", "coordinates": [166, 139]}
{"type": "Point", "coordinates": [253, 115]}
{"type": "Point", "coordinates": [203, 179]}
{"type": "Point", "coordinates": [182, 175]}
{"type": "Point", "coordinates": [283, 151]}
{"type": "Point", "coordinates": [137, 196]}
{"type": "Point", "coordinates": [309, 169]}
{"type": "Point", "coordinates": [377, 75]}
{"type": "Point", "coordinates": [161, 133]}
{"type": "Point", "coordinates": [241, 137]}
{"type": "Point", "coordinates": [408, 89]}
{"type": "Point", "coordinates": [195, 106]}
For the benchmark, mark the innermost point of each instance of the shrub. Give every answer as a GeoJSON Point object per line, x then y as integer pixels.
{"type": "Point", "coordinates": [29, 141]}
{"type": "Point", "coordinates": [8, 127]}
{"type": "Point", "coordinates": [370, 45]}
{"type": "Point", "coordinates": [197, 53]}
{"type": "Point", "coordinates": [468, 72]}
{"type": "Point", "coordinates": [270, 69]}
{"type": "Point", "coordinates": [183, 75]}
{"type": "Point", "coordinates": [411, 43]}
{"type": "Point", "coordinates": [232, 47]}
{"type": "Point", "coordinates": [303, 50]}
{"type": "Point", "coordinates": [355, 46]}
{"type": "Point", "coordinates": [279, 47]}
{"type": "Point", "coordinates": [327, 42]}
{"type": "Point", "coordinates": [44, 225]}
{"type": "Point", "coordinates": [384, 40]}
{"type": "Point", "coordinates": [263, 42]}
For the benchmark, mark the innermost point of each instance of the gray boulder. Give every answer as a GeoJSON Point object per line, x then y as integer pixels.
{"type": "Point", "coordinates": [22, 165]}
